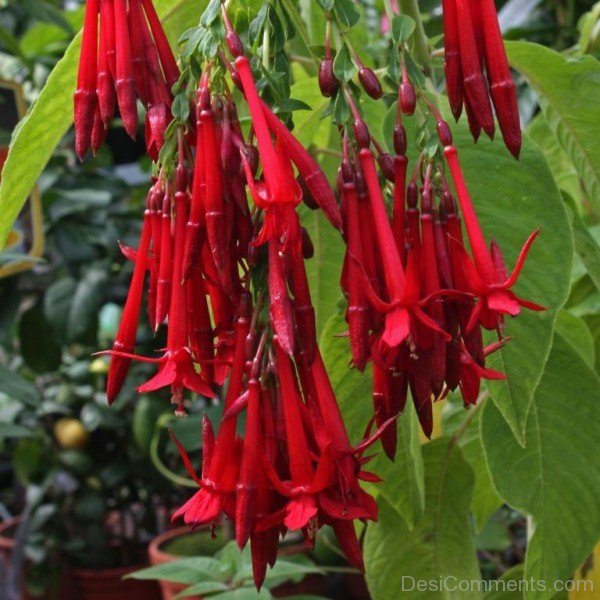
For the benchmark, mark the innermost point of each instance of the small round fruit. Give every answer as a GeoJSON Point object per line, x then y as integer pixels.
{"type": "Point", "coordinates": [99, 366]}
{"type": "Point", "coordinates": [70, 434]}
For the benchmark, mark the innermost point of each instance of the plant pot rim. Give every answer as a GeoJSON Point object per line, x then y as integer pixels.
{"type": "Point", "coordinates": [154, 547]}
{"type": "Point", "coordinates": [106, 573]}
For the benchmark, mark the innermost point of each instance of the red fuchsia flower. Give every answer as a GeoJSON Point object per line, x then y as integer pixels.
{"type": "Point", "coordinates": [85, 96]}
{"type": "Point", "coordinates": [472, 40]}
{"type": "Point", "coordinates": [125, 56]}
{"type": "Point", "coordinates": [486, 275]}
{"type": "Point", "coordinates": [124, 343]}
{"type": "Point", "coordinates": [221, 457]}
{"type": "Point", "coordinates": [471, 374]}
{"type": "Point", "coordinates": [177, 365]}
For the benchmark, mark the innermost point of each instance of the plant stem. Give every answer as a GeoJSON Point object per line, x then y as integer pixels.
{"type": "Point", "coordinates": [411, 9]}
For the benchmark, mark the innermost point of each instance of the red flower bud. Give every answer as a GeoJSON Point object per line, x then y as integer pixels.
{"type": "Point", "coordinates": [386, 164]}
{"type": "Point", "coordinates": [400, 143]}
{"type": "Point", "coordinates": [370, 83]}
{"type": "Point", "coordinates": [234, 43]}
{"type": "Point", "coordinates": [361, 132]}
{"type": "Point", "coordinates": [328, 82]}
{"type": "Point", "coordinates": [408, 99]}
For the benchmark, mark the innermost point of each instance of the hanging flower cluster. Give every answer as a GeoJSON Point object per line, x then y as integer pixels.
{"type": "Point", "coordinates": [229, 282]}
{"type": "Point", "coordinates": [125, 56]}
{"type": "Point", "coordinates": [417, 299]}
{"type": "Point", "coordinates": [201, 253]}
{"type": "Point", "coordinates": [473, 41]}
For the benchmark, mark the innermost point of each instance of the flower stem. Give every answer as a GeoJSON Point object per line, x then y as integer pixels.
{"type": "Point", "coordinates": [411, 8]}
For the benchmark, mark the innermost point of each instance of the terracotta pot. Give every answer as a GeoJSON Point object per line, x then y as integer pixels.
{"type": "Point", "coordinates": [108, 584]}
{"type": "Point", "coordinates": [85, 584]}
{"type": "Point", "coordinates": [158, 556]}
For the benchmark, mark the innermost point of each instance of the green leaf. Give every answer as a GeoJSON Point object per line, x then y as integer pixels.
{"type": "Point", "coordinates": [245, 593]}
{"type": "Point", "coordinates": [326, 5]}
{"type": "Point", "coordinates": [561, 165]}
{"type": "Point", "coordinates": [486, 500]}
{"type": "Point", "coordinates": [181, 108]}
{"type": "Point", "coordinates": [343, 65]}
{"type": "Point", "coordinates": [403, 27]}
{"type": "Point", "coordinates": [212, 13]}
{"type": "Point", "coordinates": [57, 305]}
{"type": "Point", "coordinates": [45, 11]}
{"type": "Point", "coordinates": [585, 244]}
{"type": "Point", "coordinates": [10, 430]}
{"type": "Point", "coordinates": [403, 484]}
{"type": "Point", "coordinates": [203, 588]}
{"type": "Point", "coordinates": [187, 570]}
{"type": "Point", "coordinates": [556, 477]}
{"type": "Point", "coordinates": [40, 350]}
{"type": "Point", "coordinates": [26, 459]}
{"type": "Point", "coordinates": [36, 138]}
{"type": "Point", "coordinates": [440, 546]}
{"type": "Point", "coordinates": [290, 105]}
{"type": "Point", "coordinates": [568, 90]}
{"type": "Point", "coordinates": [346, 12]}
{"type": "Point", "coordinates": [18, 388]}
{"type": "Point", "coordinates": [87, 300]}
{"type": "Point", "coordinates": [575, 331]}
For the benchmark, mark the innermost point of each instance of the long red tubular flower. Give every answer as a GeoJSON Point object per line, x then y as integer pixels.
{"type": "Point", "coordinates": [138, 51]}
{"type": "Point", "coordinates": [85, 98]}
{"type": "Point", "coordinates": [502, 87]}
{"type": "Point", "coordinates": [358, 310]}
{"type": "Point", "coordinates": [308, 168]}
{"type": "Point", "coordinates": [163, 286]}
{"type": "Point", "coordinates": [177, 366]}
{"type": "Point", "coordinates": [474, 83]}
{"type": "Point", "coordinates": [105, 83]}
{"type": "Point", "coordinates": [167, 60]}
{"type": "Point", "coordinates": [125, 339]}
{"type": "Point", "coordinates": [220, 472]}
{"type": "Point", "coordinates": [493, 291]}
{"type": "Point", "coordinates": [452, 63]}
{"type": "Point", "coordinates": [124, 76]}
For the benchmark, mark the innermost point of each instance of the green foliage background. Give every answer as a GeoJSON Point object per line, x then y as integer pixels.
{"type": "Point", "coordinates": [532, 443]}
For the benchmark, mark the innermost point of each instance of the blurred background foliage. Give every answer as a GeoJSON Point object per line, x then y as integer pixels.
{"type": "Point", "coordinates": [90, 474]}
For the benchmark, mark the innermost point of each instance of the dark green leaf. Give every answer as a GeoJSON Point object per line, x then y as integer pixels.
{"type": "Point", "coordinates": [346, 12]}
{"type": "Point", "coordinates": [556, 477]}
{"type": "Point", "coordinates": [39, 348]}
{"type": "Point", "coordinates": [440, 545]}
{"type": "Point", "coordinates": [567, 89]}
{"type": "Point", "coordinates": [403, 27]}
{"type": "Point", "coordinates": [343, 65]}
{"type": "Point", "coordinates": [18, 388]}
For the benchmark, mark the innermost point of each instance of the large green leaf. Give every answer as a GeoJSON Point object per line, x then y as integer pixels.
{"type": "Point", "coordinates": [403, 485]}
{"type": "Point", "coordinates": [556, 477]}
{"type": "Point", "coordinates": [47, 121]}
{"type": "Point", "coordinates": [36, 138]}
{"type": "Point", "coordinates": [576, 331]}
{"type": "Point", "coordinates": [439, 548]}
{"type": "Point", "coordinates": [563, 170]}
{"type": "Point", "coordinates": [486, 500]}
{"type": "Point", "coordinates": [568, 89]}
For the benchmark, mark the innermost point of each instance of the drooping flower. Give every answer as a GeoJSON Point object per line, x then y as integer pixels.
{"type": "Point", "coordinates": [477, 69]}
{"type": "Point", "coordinates": [485, 275]}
